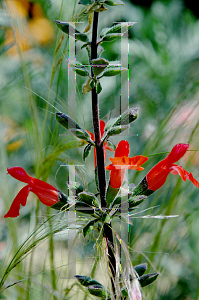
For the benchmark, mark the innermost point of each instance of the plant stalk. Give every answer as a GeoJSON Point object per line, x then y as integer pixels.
{"type": "Point", "coordinates": [100, 158]}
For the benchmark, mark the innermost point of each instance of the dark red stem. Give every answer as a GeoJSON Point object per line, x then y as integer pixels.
{"type": "Point", "coordinates": [100, 158]}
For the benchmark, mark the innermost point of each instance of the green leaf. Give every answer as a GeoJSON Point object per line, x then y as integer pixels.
{"type": "Point", "coordinates": [111, 193]}
{"type": "Point", "coordinates": [111, 145]}
{"type": "Point", "coordinates": [87, 150]}
{"type": "Point", "coordinates": [141, 269]}
{"type": "Point", "coordinates": [113, 2]}
{"type": "Point", "coordinates": [98, 87]}
{"type": "Point", "coordinates": [100, 50]}
{"type": "Point", "coordinates": [83, 37]}
{"type": "Point", "coordinates": [113, 71]}
{"type": "Point", "coordinates": [81, 134]}
{"type": "Point", "coordinates": [86, 281]}
{"type": "Point", "coordinates": [116, 130]}
{"type": "Point", "coordinates": [118, 28]}
{"type": "Point", "coordinates": [81, 71]}
{"type": "Point", "coordinates": [99, 64]}
{"type": "Point", "coordinates": [85, 45]}
{"type": "Point", "coordinates": [87, 229]}
{"type": "Point", "coordinates": [129, 201]}
{"type": "Point", "coordinates": [124, 291]}
{"type": "Point", "coordinates": [142, 189]}
{"type": "Point", "coordinates": [89, 198]}
{"type": "Point", "coordinates": [136, 200]}
{"type": "Point", "coordinates": [70, 124]}
{"type": "Point", "coordinates": [127, 117]}
{"type": "Point", "coordinates": [92, 84]}
{"type": "Point", "coordinates": [99, 291]}
{"type": "Point", "coordinates": [110, 124]}
{"type": "Point", "coordinates": [88, 49]}
{"type": "Point", "coordinates": [147, 279]}
{"type": "Point", "coordinates": [67, 121]}
{"type": "Point", "coordinates": [85, 2]}
{"type": "Point", "coordinates": [84, 208]}
{"type": "Point", "coordinates": [110, 37]}
{"type": "Point", "coordinates": [86, 88]}
{"type": "Point", "coordinates": [68, 28]}
{"type": "Point", "coordinates": [104, 31]}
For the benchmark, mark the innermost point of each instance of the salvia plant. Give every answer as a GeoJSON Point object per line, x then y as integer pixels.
{"type": "Point", "coordinates": [112, 199]}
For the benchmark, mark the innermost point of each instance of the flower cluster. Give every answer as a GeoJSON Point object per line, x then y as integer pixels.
{"type": "Point", "coordinates": [155, 178]}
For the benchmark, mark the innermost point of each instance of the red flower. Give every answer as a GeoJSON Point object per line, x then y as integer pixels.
{"type": "Point", "coordinates": [121, 161]}
{"type": "Point", "coordinates": [46, 193]}
{"type": "Point", "coordinates": [158, 174]}
{"type": "Point", "coordinates": [106, 147]}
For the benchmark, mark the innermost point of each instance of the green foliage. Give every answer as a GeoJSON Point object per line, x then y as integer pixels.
{"type": "Point", "coordinates": [147, 279]}
{"type": "Point", "coordinates": [85, 2]}
{"type": "Point", "coordinates": [113, 2]}
{"type": "Point", "coordinates": [87, 150]}
{"type": "Point", "coordinates": [73, 126]}
{"type": "Point", "coordinates": [141, 269]}
{"type": "Point", "coordinates": [86, 280]}
{"type": "Point", "coordinates": [84, 208]}
{"type": "Point", "coordinates": [99, 291]}
{"type": "Point", "coordinates": [118, 28]}
{"type": "Point", "coordinates": [110, 37]}
{"type": "Point", "coordinates": [116, 130]}
{"type": "Point", "coordinates": [113, 72]}
{"type": "Point", "coordinates": [99, 64]}
{"type": "Point", "coordinates": [111, 145]}
{"type": "Point", "coordinates": [86, 88]}
{"type": "Point", "coordinates": [126, 118]}
{"type": "Point", "coordinates": [87, 229]}
{"type": "Point", "coordinates": [98, 87]}
{"type": "Point", "coordinates": [81, 71]}
{"type": "Point", "coordinates": [72, 30]}
{"type": "Point", "coordinates": [89, 198]}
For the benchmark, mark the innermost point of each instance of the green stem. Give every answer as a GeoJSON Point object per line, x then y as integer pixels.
{"type": "Point", "coordinates": [51, 249]}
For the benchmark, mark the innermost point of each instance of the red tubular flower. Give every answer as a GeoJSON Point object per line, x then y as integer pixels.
{"type": "Point", "coordinates": [46, 193]}
{"type": "Point", "coordinates": [158, 174]}
{"type": "Point", "coordinates": [121, 161]}
{"type": "Point", "coordinates": [106, 147]}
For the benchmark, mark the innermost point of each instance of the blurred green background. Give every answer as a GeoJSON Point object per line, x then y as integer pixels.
{"type": "Point", "coordinates": [163, 60]}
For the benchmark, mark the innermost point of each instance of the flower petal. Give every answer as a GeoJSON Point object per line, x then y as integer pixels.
{"type": "Point", "coordinates": [126, 162]}
{"type": "Point", "coordinates": [138, 160]}
{"type": "Point", "coordinates": [118, 160]}
{"type": "Point", "coordinates": [40, 184]}
{"type": "Point", "coordinates": [122, 149]}
{"type": "Point", "coordinates": [193, 180]}
{"type": "Point", "coordinates": [157, 176]}
{"type": "Point", "coordinates": [21, 198]}
{"type": "Point", "coordinates": [47, 196]}
{"type": "Point", "coordinates": [180, 171]}
{"type": "Point", "coordinates": [102, 127]}
{"type": "Point", "coordinates": [184, 174]}
{"type": "Point", "coordinates": [19, 174]}
{"type": "Point", "coordinates": [177, 152]}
